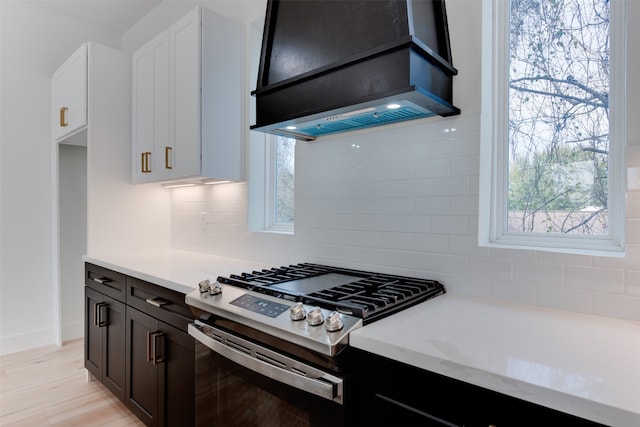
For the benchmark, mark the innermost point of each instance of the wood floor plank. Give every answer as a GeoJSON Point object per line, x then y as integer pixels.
{"type": "Point", "coordinates": [48, 387]}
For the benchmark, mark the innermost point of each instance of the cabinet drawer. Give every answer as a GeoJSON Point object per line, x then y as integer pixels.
{"type": "Point", "coordinates": [106, 281]}
{"type": "Point", "coordinates": [162, 303]}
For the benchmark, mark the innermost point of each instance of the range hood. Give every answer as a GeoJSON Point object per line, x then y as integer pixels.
{"type": "Point", "coordinates": [330, 66]}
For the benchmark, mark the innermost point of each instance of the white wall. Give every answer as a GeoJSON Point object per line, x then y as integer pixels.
{"type": "Point", "coordinates": [168, 12]}
{"type": "Point", "coordinates": [33, 44]}
{"type": "Point", "coordinates": [404, 199]}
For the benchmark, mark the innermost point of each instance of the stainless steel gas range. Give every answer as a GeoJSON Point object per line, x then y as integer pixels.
{"type": "Point", "coordinates": [273, 344]}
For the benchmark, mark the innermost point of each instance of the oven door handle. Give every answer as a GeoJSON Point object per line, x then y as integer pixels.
{"type": "Point", "coordinates": [269, 363]}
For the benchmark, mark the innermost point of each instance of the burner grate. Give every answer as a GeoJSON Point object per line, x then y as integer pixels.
{"type": "Point", "coordinates": [369, 296]}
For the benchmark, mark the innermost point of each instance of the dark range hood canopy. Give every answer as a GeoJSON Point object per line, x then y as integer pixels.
{"type": "Point", "coordinates": [330, 66]}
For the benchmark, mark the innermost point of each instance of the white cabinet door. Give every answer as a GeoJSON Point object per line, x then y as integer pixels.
{"type": "Point", "coordinates": [150, 109]}
{"type": "Point", "coordinates": [185, 94]}
{"type": "Point", "coordinates": [173, 96]}
{"type": "Point", "coordinates": [69, 95]}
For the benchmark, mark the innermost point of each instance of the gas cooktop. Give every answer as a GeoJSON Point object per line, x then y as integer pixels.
{"type": "Point", "coordinates": [310, 305]}
{"type": "Point", "coordinates": [368, 296]}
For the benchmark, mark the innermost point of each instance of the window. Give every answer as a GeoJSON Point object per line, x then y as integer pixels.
{"type": "Point", "coordinates": [553, 125]}
{"type": "Point", "coordinates": [280, 215]}
{"type": "Point", "coordinates": [271, 183]}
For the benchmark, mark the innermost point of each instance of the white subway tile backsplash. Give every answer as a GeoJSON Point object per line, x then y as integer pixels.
{"type": "Point", "coordinates": [633, 230]}
{"type": "Point", "coordinates": [450, 264]}
{"type": "Point", "coordinates": [467, 166]}
{"type": "Point", "coordinates": [456, 147]}
{"type": "Point", "coordinates": [451, 224]}
{"type": "Point", "coordinates": [403, 199]}
{"type": "Point", "coordinates": [471, 285]}
{"type": "Point", "coordinates": [596, 279]}
{"type": "Point", "coordinates": [438, 243]}
{"type": "Point", "coordinates": [619, 306]}
{"type": "Point", "coordinates": [538, 273]}
{"type": "Point", "coordinates": [450, 186]}
{"type": "Point", "coordinates": [633, 204]}
{"type": "Point", "coordinates": [632, 281]}
{"type": "Point", "coordinates": [631, 260]}
{"type": "Point", "coordinates": [435, 205]}
{"type": "Point", "coordinates": [414, 223]}
{"type": "Point", "coordinates": [432, 168]}
{"type": "Point", "coordinates": [467, 245]}
{"type": "Point", "coordinates": [568, 259]}
{"type": "Point", "coordinates": [579, 300]}
{"type": "Point", "coordinates": [517, 291]}
{"type": "Point", "coordinates": [490, 268]}
{"type": "Point", "coordinates": [403, 241]}
{"type": "Point", "coordinates": [464, 205]}
{"type": "Point", "coordinates": [402, 206]}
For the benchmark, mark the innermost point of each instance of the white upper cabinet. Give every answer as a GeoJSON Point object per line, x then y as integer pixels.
{"type": "Point", "coordinates": [150, 112]}
{"type": "Point", "coordinates": [69, 96]}
{"type": "Point", "coordinates": [187, 101]}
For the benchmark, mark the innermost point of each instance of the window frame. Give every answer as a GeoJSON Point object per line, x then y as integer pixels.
{"type": "Point", "coordinates": [262, 186]}
{"type": "Point", "coordinates": [494, 143]}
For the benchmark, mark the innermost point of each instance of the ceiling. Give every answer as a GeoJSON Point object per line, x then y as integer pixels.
{"type": "Point", "coordinates": [115, 16]}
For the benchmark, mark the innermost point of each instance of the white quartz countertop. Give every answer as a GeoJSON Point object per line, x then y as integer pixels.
{"type": "Point", "coordinates": [584, 365]}
{"type": "Point", "coordinates": [174, 269]}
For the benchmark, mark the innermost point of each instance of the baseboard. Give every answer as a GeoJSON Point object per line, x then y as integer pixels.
{"type": "Point", "coordinates": [26, 341]}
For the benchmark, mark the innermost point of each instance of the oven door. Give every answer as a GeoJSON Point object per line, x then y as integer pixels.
{"type": "Point", "coordinates": [240, 383]}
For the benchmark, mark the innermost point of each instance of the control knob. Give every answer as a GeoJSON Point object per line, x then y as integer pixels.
{"type": "Point", "coordinates": [215, 288]}
{"type": "Point", "coordinates": [315, 317]}
{"type": "Point", "coordinates": [333, 322]}
{"type": "Point", "coordinates": [204, 286]}
{"type": "Point", "coordinates": [297, 312]}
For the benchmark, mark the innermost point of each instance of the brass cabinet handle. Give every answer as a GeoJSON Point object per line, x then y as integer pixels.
{"type": "Point", "coordinates": [144, 162]}
{"type": "Point", "coordinates": [63, 117]}
{"type": "Point", "coordinates": [167, 152]}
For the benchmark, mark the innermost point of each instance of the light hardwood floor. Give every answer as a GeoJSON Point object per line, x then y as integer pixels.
{"type": "Point", "coordinates": [48, 387]}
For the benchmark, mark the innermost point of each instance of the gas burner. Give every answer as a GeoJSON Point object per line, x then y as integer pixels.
{"type": "Point", "coordinates": [365, 295]}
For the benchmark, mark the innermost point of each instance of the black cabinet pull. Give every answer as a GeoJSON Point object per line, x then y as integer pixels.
{"type": "Point", "coordinates": [97, 314]}
{"type": "Point", "coordinates": [156, 302]}
{"type": "Point", "coordinates": [158, 356]}
{"type": "Point", "coordinates": [152, 347]}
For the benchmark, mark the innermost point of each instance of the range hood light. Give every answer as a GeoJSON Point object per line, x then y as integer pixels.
{"type": "Point", "coordinates": [393, 106]}
{"type": "Point", "coordinates": [291, 127]}
{"type": "Point", "coordinates": [213, 181]}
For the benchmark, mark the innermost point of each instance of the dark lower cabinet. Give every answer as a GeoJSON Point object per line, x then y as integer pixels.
{"type": "Point", "coordinates": [105, 340]}
{"type": "Point", "coordinates": [390, 393]}
{"type": "Point", "coordinates": [137, 345]}
{"type": "Point", "coordinates": [160, 370]}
